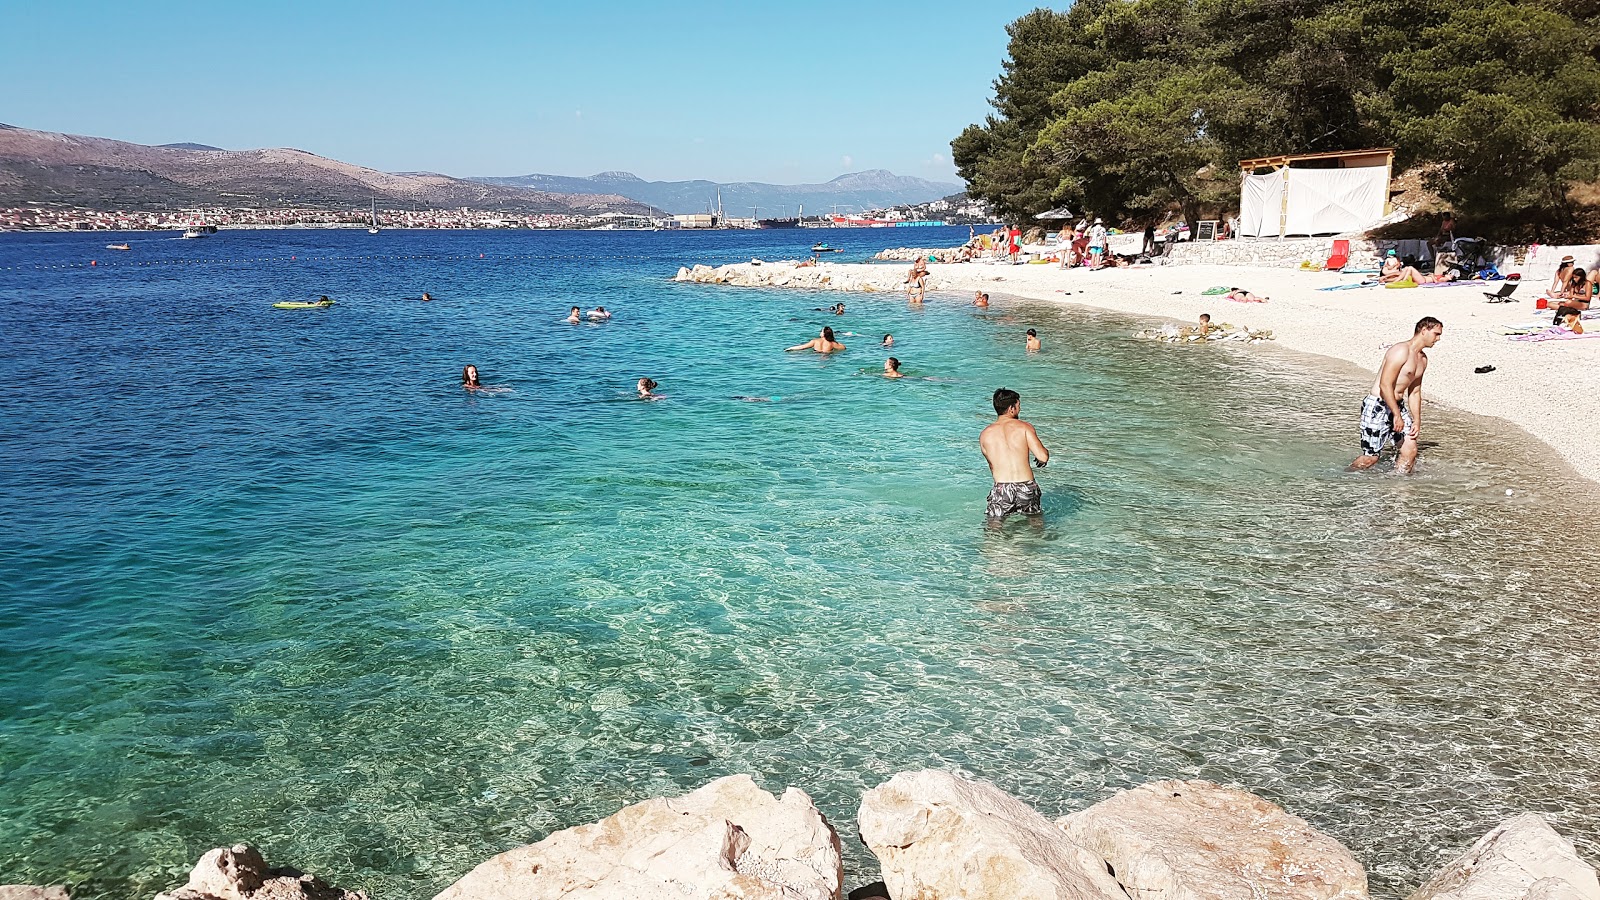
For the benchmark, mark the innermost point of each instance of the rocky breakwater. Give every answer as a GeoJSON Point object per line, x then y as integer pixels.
{"type": "Point", "coordinates": [791, 274]}
{"type": "Point", "coordinates": [943, 836]}
{"type": "Point", "coordinates": [931, 254]}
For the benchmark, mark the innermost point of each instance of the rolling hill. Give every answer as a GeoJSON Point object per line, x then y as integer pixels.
{"type": "Point", "coordinates": [873, 189]}
{"type": "Point", "coordinates": [49, 167]}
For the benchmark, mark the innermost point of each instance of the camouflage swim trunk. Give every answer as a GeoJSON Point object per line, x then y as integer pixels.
{"type": "Point", "coordinates": [1013, 497]}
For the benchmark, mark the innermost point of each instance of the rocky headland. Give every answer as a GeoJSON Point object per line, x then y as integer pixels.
{"type": "Point", "coordinates": [941, 835]}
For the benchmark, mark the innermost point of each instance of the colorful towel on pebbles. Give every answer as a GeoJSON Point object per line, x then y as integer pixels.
{"type": "Point", "coordinates": [1214, 291]}
{"type": "Point", "coordinates": [1555, 333]}
{"type": "Point", "coordinates": [1350, 287]}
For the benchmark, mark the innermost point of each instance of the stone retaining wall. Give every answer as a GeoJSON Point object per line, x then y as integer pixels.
{"type": "Point", "coordinates": [1271, 253]}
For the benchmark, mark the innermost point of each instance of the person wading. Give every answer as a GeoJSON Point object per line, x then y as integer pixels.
{"type": "Point", "coordinates": [1006, 443]}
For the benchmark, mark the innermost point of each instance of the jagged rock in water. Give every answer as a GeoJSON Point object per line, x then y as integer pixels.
{"type": "Point", "coordinates": [940, 836]}
{"type": "Point", "coordinates": [1523, 858]}
{"type": "Point", "coordinates": [240, 873]}
{"type": "Point", "coordinates": [1195, 840]}
{"type": "Point", "coordinates": [727, 840]}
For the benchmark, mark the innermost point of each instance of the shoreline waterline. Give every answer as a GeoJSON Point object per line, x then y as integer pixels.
{"type": "Point", "coordinates": [1537, 387]}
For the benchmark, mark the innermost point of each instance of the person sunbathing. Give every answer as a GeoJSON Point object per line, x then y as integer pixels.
{"type": "Point", "coordinates": [1240, 295]}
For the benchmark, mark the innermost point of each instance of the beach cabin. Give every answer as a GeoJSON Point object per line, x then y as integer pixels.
{"type": "Point", "coordinates": [1314, 193]}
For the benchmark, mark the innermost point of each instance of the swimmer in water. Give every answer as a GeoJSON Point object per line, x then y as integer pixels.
{"type": "Point", "coordinates": [1033, 340]}
{"type": "Point", "coordinates": [888, 340]}
{"type": "Point", "coordinates": [823, 344]}
{"type": "Point", "coordinates": [469, 378]}
{"type": "Point", "coordinates": [646, 386]}
{"type": "Point", "coordinates": [599, 314]}
{"type": "Point", "coordinates": [838, 309]}
{"type": "Point", "coordinates": [891, 368]}
{"type": "Point", "coordinates": [573, 317]}
{"type": "Point", "coordinates": [426, 297]}
{"type": "Point", "coordinates": [981, 299]}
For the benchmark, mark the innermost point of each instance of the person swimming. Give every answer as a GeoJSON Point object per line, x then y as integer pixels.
{"type": "Point", "coordinates": [469, 378]}
{"type": "Point", "coordinates": [426, 297]}
{"type": "Point", "coordinates": [888, 340]}
{"type": "Point", "coordinates": [599, 314]}
{"type": "Point", "coordinates": [891, 368]}
{"type": "Point", "coordinates": [981, 299]}
{"type": "Point", "coordinates": [838, 309]}
{"type": "Point", "coordinates": [646, 388]}
{"type": "Point", "coordinates": [574, 317]}
{"type": "Point", "coordinates": [1033, 340]}
{"type": "Point", "coordinates": [824, 344]}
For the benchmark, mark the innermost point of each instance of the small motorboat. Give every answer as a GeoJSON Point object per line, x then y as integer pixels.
{"type": "Point", "coordinates": [823, 248]}
{"type": "Point", "coordinates": [118, 247]}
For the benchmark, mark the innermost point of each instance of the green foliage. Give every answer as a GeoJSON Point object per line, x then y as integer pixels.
{"type": "Point", "coordinates": [1134, 108]}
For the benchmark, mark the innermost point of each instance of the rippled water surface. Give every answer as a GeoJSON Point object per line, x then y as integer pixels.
{"type": "Point", "coordinates": [273, 576]}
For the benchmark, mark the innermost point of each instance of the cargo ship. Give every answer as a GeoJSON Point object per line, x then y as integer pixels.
{"type": "Point", "coordinates": [783, 223]}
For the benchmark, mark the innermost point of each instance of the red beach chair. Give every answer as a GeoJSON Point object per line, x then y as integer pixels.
{"type": "Point", "coordinates": [1341, 255]}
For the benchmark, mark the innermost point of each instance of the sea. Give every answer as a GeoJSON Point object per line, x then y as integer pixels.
{"type": "Point", "coordinates": [273, 576]}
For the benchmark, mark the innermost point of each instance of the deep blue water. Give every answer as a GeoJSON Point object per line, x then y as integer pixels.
{"type": "Point", "coordinates": [273, 576]}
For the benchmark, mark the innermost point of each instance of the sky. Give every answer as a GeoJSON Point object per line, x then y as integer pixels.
{"type": "Point", "coordinates": [784, 93]}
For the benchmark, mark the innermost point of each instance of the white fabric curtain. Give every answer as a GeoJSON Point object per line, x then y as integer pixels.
{"type": "Point", "coordinates": [1331, 201]}
{"type": "Point", "coordinates": [1260, 205]}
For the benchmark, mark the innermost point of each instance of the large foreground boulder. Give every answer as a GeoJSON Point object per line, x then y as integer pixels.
{"type": "Point", "coordinates": [240, 873]}
{"type": "Point", "coordinates": [729, 840]}
{"type": "Point", "coordinates": [1523, 858]}
{"type": "Point", "coordinates": [1195, 840]}
{"type": "Point", "coordinates": [939, 836]}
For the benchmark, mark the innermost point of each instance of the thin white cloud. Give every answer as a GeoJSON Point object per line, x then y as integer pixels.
{"type": "Point", "coordinates": [848, 161]}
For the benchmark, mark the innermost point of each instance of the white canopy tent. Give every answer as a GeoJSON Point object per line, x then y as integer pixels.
{"type": "Point", "coordinates": [1302, 200]}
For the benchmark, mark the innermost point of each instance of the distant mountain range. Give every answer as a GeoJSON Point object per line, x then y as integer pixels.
{"type": "Point", "coordinates": [873, 189]}
{"type": "Point", "coordinates": [48, 167]}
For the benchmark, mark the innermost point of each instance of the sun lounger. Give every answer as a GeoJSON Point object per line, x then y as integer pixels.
{"type": "Point", "coordinates": [1504, 294]}
{"type": "Point", "coordinates": [1341, 255]}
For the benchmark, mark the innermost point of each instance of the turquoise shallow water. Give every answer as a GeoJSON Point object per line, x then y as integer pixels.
{"type": "Point", "coordinates": [273, 576]}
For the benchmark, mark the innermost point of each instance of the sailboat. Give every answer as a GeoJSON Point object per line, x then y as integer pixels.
{"type": "Point", "coordinates": [373, 228]}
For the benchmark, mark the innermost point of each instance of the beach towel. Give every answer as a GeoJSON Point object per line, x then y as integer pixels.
{"type": "Point", "coordinates": [1555, 333]}
{"type": "Point", "coordinates": [1350, 287]}
{"type": "Point", "coordinates": [1349, 271]}
{"type": "Point", "coordinates": [1214, 291]}
{"type": "Point", "coordinates": [1456, 283]}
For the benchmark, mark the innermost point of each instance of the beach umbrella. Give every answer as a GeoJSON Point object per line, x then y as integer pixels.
{"type": "Point", "coordinates": [1060, 212]}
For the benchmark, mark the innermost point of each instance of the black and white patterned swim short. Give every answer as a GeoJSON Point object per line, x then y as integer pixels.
{"type": "Point", "coordinates": [1377, 426]}
{"type": "Point", "coordinates": [1014, 497]}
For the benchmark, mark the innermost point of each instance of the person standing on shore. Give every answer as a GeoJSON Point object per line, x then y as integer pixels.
{"type": "Point", "coordinates": [1097, 244]}
{"type": "Point", "coordinates": [1393, 411]}
{"type": "Point", "coordinates": [1007, 443]}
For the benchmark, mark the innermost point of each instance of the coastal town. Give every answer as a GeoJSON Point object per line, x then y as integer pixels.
{"type": "Point", "coordinates": [46, 217]}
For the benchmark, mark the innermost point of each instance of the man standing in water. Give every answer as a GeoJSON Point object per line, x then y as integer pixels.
{"type": "Point", "coordinates": [1393, 411]}
{"type": "Point", "coordinates": [1006, 444]}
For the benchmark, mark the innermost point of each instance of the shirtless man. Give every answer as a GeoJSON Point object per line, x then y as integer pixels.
{"type": "Point", "coordinates": [891, 368]}
{"type": "Point", "coordinates": [1033, 340]}
{"type": "Point", "coordinates": [573, 317]}
{"type": "Point", "coordinates": [823, 344]}
{"type": "Point", "coordinates": [1006, 444]}
{"type": "Point", "coordinates": [981, 299]}
{"type": "Point", "coordinates": [1393, 411]}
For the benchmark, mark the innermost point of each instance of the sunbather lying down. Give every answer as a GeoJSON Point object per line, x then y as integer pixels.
{"type": "Point", "coordinates": [1240, 295]}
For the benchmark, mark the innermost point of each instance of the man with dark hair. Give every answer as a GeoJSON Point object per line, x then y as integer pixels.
{"type": "Point", "coordinates": [1006, 444]}
{"type": "Point", "coordinates": [1033, 339]}
{"type": "Point", "coordinates": [1393, 411]}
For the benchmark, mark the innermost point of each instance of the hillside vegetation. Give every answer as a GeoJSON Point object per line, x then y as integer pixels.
{"type": "Point", "coordinates": [1134, 108]}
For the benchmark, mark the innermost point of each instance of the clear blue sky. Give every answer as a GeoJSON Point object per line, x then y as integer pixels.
{"type": "Point", "coordinates": [726, 91]}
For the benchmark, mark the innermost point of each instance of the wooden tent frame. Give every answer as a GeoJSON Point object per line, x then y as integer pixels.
{"type": "Point", "coordinates": [1282, 163]}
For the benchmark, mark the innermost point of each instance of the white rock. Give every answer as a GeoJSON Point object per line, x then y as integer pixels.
{"type": "Point", "coordinates": [240, 873]}
{"type": "Point", "coordinates": [1523, 858]}
{"type": "Point", "coordinates": [33, 892]}
{"type": "Point", "coordinates": [1194, 840]}
{"type": "Point", "coordinates": [727, 840]}
{"type": "Point", "coordinates": [939, 836]}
